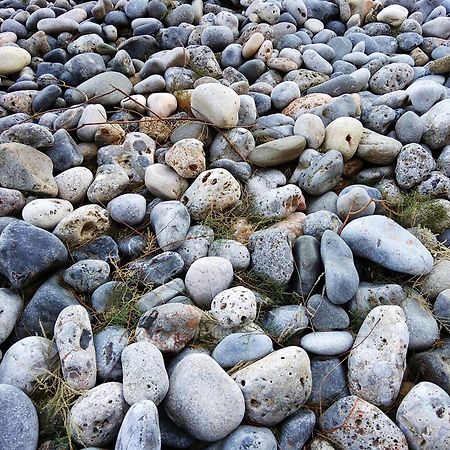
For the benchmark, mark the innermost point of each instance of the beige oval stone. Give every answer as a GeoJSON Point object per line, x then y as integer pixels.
{"type": "Point", "coordinates": [216, 104]}
{"type": "Point", "coordinates": [162, 104]}
{"type": "Point", "coordinates": [83, 225]}
{"type": "Point", "coordinates": [162, 181]}
{"type": "Point", "coordinates": [13, 60]}
{"type": "Point", "coordinates": [343, 134]}
{"type": "Point", "coordinates": [252, 45]}
{"type": "Point", "coordinates": [305, 104]}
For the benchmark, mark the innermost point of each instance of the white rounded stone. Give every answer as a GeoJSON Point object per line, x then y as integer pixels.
{"type": "Point", "coordinates": [13, 59]}
{"type": "Point", "coordinates": [74, 183]}
{"type": "Point", "coordinates": [162, 104]}
{"type": "Point", "coordinates": [162, 181]}
{"type": "Point", "coordinates": [234, 307]}
{"type": "Point", "coordinates": [46, 213]}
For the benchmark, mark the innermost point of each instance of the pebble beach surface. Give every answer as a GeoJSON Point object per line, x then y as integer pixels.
{"type": "Point", "coordinates": [225, 225]}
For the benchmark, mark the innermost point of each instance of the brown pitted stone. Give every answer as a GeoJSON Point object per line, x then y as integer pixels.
{"type": "Point", "coordinates": [187, 158]}
{"type": "Point", "coordinates": [24, 168]}
{"type": "Point", "coordinates": [19, 101]}
{"type": "Point", "coordinates": [305, 104]}
{"type": "Point", "coordinates": [354, 424]}
{"type": "Point", "coordinates": [82, 225]}
{"type": "Point", "coordinates": [170, 327]}
{"type": "Point", "coordinates": [212, 190]}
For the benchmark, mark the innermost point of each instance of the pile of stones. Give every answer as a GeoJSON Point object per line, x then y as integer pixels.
{"type": "Point", "coordinates": [224, 225]}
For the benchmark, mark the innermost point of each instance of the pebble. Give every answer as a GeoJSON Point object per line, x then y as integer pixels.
{"type": "Point", "coordinates": [74, 340]}
{"type": "Point", "coordinates": [354, 203]}
{"type": "Point", "coordinates": [249, 436]}
{"type": "Point", "coordinates": [87, 275]}
{"type": "Point", "coordinates": [297, 429]}
{"type": "Point", "coordinates": [11, 306]}
{"type": "Point", "coordinates": [271, 255]}
{"type": "Point", "coordinates": [203, 399]}
{"type": "Point", "coordinates": [379, 352]}
{"type": "Point", "coordinates": [109, 344]}
{"type": "Point", "coordinates": [423, 416]}
{"type": "Point", "coordinates": [354, 423]}
{"type": "Point", "coordinates": [82, 225]}
{"type": "Point", "coordinates": [204, 100]}
{"type": "Point", "coordinates": [208, 277]}
{"type": "Point", "coordinates": [327, 343]}
{"type": "Point", "coordinates": [343, 134]}
{"type": "Point", "coordinates": [140, 428]}
{"type": "Point", "coordinates": [277, 152]}
{"type": "Point", "coordinates": [26, 362]}
{"type": "Point", "coordinates": [311, 128]}
{"type": "Point", "coordinates": [46, 213]}
{"type": "Point", "coordinates": [19, 420]}
{"type": "Point", "coordinates": [187, 158]}
{"type": "Point", "coordinates": [164, 182]}
{"type": "Point", "coordinates": [234, 251]}
{"type": "Point", "coordinates": [26, 169]}
{"type": "Point", "coordinates": [169, 327]}
{"type": "Point", "coordinates": [13, 60]}
{"type": "Point", "coordinates": [383, 241]}
{"type": "Point", "coordinates": [276, 386]}
{"type": "Point", "coordinates": [325, 315]}
{"type": "Point", "coordinates": [241, 347]}
{"type": "Point", "coordinates": [144, 374]}
{"type": "Point", "coordinates": [234, 307]}
{"type": "Point", "coordinates": [103, 404]}
{"type": "Point", "coordinates": [128, 209]}
{"type": "Point", "coordinates": [28, 252]}
{"type": "Point", "coordinates": [214, 189]}
{"type": "Point", "coordinates": [341, 276]}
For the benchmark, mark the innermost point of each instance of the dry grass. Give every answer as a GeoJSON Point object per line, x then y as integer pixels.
{"type": "Point", "coordinates": [53, 399]}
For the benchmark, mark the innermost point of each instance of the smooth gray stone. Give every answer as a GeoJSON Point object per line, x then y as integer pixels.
{"type": "Point", "coordinates": [172, 435]}
{"type": "Point", "coordinates": [203, 399]}
{"type": "Point", "coordinates": [160, 295]}
{"type": "Point", "coordinates": [170, 221]}
{"type": "Point", "coordinates": [308, 264]}
{"type": "Point", "coordinates": [160, 269]}
{"type": "Point", "coordinates": [422, 326]}
{"type": "Point", "coordinates": [102, 87]}
{"type": "Point", "coordinates": [285, 321]}
{"type": "Point", "coordinates": [329, 381]}
{"type": "Point", "coordinates": [409, 128]}
{"type": "Point", "coordinates": [103, 248]}
{"type": "Point", "coordinates": [341, 276]}
{"type": "Point", "coordinates": [441, 308]}
{"type": "Point", "coordinates": [242, 347]}
{"type": "Point", "coordinates": [234, 251]}
{"type": "Point", "coordinates": [317, 223]}
{"type": "Point", "coordinates": [323, 173]}
{"type": "Point", "coordinates": [64, 152]}
{"type": "Point", "coordinates": [109, 344]}
{"type": "Point", "coordinates": [18, 420]}
{"type": "Point", "coordinates": [296, 430]}
{"type": "Point", "coordinates": [39, 316]}
{"type": "Point", "coordinates": [383, 241]}
{"type": "Point", "coordinates": [325, 201]}
{"type": "Point", "coordinates": [28, 252]}
{"type": "Point", "coordinates": [370, 295]}
{"type": "Point", "coordinates": [140, 428]}
{"type": "Point", "coordinates": [433, 365]}
{"type": "Point", "coordinates": [271, 255]}
{"type": "Point", "coordinates": [247, 437]}
{"type": "Point", "coordinates": [87, 275]}
{"type": "Point", "coordinates": [325, 315]}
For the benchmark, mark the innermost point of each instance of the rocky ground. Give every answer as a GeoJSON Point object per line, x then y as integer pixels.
{"type": "Point", "coordinates": [225, 225]}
